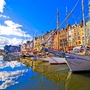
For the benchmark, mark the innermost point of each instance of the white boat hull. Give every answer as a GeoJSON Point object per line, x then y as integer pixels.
{"type": "Point", "coordinates": [57, 60]}
{"type": "Point", "coordinates": [78, 63]}
{"type": "Point", "coordinates": [54, 60]}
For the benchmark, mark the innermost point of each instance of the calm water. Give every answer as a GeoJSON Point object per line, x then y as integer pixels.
{"type": "Point", "coordinates": [38, 75]}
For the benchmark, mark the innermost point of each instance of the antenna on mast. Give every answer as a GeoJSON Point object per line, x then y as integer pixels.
{"type": "Point", "coordinates": [83, 12]}
{"type": "Point", "coordinates": [66, 16]}
{"type": "Point", "coordinates": [57, 19]}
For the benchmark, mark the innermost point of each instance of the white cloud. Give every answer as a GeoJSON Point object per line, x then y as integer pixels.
{"type": "Point", "coordinates": [2, 3]}
{"type": "Point", "coordinates": [4, 16]}
{"type": "Point", "coordinates": [3, 40]}
{"type": "Point", "coordinates": [11, 32]}
{"type": "Point", "coordinates": [11, 41]}
{"type": "Point", "coordinates": [12, 28]}
{"type": "Point", "coordinates": [12, 24]}
{"type": "Point", "coordinates": [15, 41]}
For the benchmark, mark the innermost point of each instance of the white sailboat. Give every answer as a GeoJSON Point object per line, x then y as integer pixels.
{"type": "Point", "coordinates": [57, 60]}
{"type": "Point", "coordinates": [79, 62]}
{"type": "Point", "coordinates": [54, 59]}
{"type": "Point", "coordinates": [54, 56]}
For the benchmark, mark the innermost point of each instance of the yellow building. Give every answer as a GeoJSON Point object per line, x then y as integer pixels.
{"type": "Point", "coordinates": [75, 35]}
{"type": "Point", "coordinates": [79, 35]}
{"type": "Point", "coordinates": [71, 36]}
{"type": "Point", "coordinates": [47, 39]}
{"type": "Point", "coordinates": [38, 43]}
{"type": "Point", "coordinates": [88, 33]}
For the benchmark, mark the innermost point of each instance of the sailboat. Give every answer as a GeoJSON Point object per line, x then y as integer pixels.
{"type": "Point", "coordinates": [78, 62]}
{"type": "Point", "coordinates": [52, 56]}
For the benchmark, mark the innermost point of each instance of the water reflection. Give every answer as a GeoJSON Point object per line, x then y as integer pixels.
{"type": "Point", "coordinates": [80, 81]}
{"type": "Point", "coordinates": [60, 75]}
{"type": "Point", "coordinates": [38, 75]}
{"type": "Point", "coordinates": [54, 75]}
{"type": "Point", "coordinates": [10, 72]}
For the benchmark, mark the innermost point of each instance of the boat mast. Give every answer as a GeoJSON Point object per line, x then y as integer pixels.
{"type": "Point", "coordinates": [42, 40]}
{"type": "Point", "coordinates": [57, 21]}
{"type": "Point", "coordinates": [84, 25]}
{"type": "Point", "coordinates": [66, 16]}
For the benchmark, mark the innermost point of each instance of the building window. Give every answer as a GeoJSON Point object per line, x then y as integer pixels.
{"type": "Point", "coordinates": [78, 33]}
{"type": "Point", "coordinates": [82, 38]}
{"type": "Point", "coordinates": [79, 38]}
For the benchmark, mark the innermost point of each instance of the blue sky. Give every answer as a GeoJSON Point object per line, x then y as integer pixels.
{"type": "Point", "coordinates": [27, 17]}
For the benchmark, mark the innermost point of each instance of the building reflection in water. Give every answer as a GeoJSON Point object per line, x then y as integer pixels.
{"type": "Point", "coordinates": [39, 75]}
{"type": "Point", "coordinates": [60, 75]}
{"type": "Point", "coordinates": [54, 73]}
{"type": "Point", "coordinates": [78, 81]}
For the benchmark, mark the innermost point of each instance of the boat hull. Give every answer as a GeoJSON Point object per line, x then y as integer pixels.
{"type": "Point", "coordinates": [57, 60]}
{"type": "Point", "coordinates": [77, 63]}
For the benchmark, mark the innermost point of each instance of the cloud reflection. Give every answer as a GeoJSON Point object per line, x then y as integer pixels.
{"type": "Point", "coordinates": [12, 64]}
{"type": "Point", "coordinates": [9, 78]}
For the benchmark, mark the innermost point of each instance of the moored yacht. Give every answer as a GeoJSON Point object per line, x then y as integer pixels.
{"type": "Point", "coordinates": [78, 62]}
{"type": "Point", "coordinates": [75, 61]}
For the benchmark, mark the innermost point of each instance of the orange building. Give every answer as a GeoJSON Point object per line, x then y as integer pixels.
{"type": "Point", "coordinates": [63, 39]}
{"type": "Point", "coordinates": [55, 40]}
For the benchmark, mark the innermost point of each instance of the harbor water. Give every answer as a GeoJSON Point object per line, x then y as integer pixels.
{"type": "Point", "coordinates": [27, 74]}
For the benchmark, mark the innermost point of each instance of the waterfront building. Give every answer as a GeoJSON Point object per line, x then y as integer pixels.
{"type": "Point", "coordinates": [79, 34]}
{"type": "Point", "coordinates": [51, 40]}
{"type": "Point", "coordinates": [24, 48]}
{"type": "Point", "coordinates": [63, 39]}
{"type": "Point", "coordinates": [10, 48]}
{"type": "Point", "coordinates": [70, 37]}
{"type": "Point", "coordinates": [88, 33]}
{"type": "Point", "coordinates": [38, 43]}
{"type": "Point", "coordinates": [46, 39]}
{"type": "Point", "coordinates": [75, 36]}
{"type": "Point", "coordinates": [28, 47]}
{"type": "Point", "coordinates": [56, 40]}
